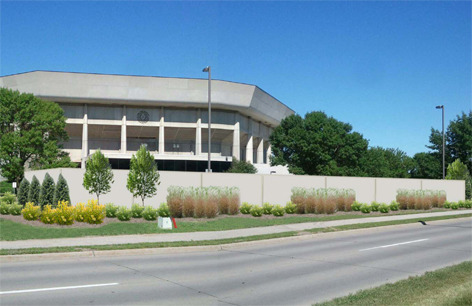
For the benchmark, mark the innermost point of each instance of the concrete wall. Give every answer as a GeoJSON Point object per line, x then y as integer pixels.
{"type": "Point", "coordinates": [255, 188]}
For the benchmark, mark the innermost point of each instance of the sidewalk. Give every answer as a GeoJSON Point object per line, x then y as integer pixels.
{"type": "Point", "coordinates": [199, 236]}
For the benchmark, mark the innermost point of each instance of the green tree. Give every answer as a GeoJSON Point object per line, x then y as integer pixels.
{"type": "Point", "coordinates": [317, 145]}
{"type": "Point", "coordinates": [34, 190]}
{"type": "Point", "coordinates": [61, 193]}
{"type": "Point", "coordinates": [23, 191]}
{"type": "Point", "coordinates": [240, 166]}
{"type": "Point", "coordinates": [46, 195]}
{"type": "Point", "coordinates": [380, 162]}
{"type": "Point", "coordinates": [426, 165]}
{"type": "Point", "coordinates": [458, 171]}
{"type": "Point", "coordinates": [143, 177]}
{"type": "Point", "coordinates": [30, 130]}
{"type": "Point", "coordinates": [98, 175]}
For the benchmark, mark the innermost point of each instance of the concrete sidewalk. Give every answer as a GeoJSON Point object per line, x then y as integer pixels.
{"type": "Point", "coordinates": [211, 235]}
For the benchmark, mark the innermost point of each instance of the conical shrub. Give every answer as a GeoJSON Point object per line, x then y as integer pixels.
{"type": "Point", "coordinates": [23, 191]}
{"type": "Point", "coordinates": [61, 193]}
{"type": "Point", "coordinates": [46, 196]}
{"type": "Point", "coordinates": [34, 190]}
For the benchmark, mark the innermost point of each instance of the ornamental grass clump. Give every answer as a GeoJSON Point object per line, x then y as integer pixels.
{"type": "Point", "coordinates": [95, 213]}
{"type": "Point", "coordinates": [298, 198]}
{"type": "Point", "coordinates": [245, 208]}
{"type": "Point", "coordinates": [188, 204]}
{"type": "Point", "coordinates": [15, 209]}
{"type": "Point", "coordinates": [234, 199]}
{"type": "Point", "coordinates": [420, 199]}
{"type": "Point", "coordinates": [322, 200]}
{"type": "Point", "coordinates": [47, 214]}
{"type": "Point", "coordinates": [174, 200]}
{"type": "Point", "coordinates": [31, 212]}
{"type": "Point", "coordinates": [290, 208]}
{"type": "Point", "coordinates": [267, 208]}
{"type": "Point", "coordinates": [111, 210]}
{"type": "Point", "coordinates": [64, 213]}
{"type": "Point", "coordinates": [137, 211]}
{"type": "Point", "coordinates": [201, 195]}
{"type": "Point", "coordinates": [149, 213]}
{"type": "Point", "coordinates": [211, 205]}
{"type": "Point", "coordinates": [278, 211]}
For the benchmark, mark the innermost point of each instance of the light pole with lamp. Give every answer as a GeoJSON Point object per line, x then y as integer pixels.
{"type": "Point", "coordinates": [208, 69]}
{"type": "Point", "coordinates": [443, 143]}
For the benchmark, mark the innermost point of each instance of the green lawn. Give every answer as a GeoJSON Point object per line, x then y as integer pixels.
{"type": "Point", "coordinates": [15, 231]}
{"type": "Point", "coordinates": [449, 286]}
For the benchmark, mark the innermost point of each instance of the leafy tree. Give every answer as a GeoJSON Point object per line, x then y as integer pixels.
{"type": "Point", "coordinates": [98, 176]}
{"type": "Point", "coordinates": [380, 162]}
{"type": "Point", "coordinates": [30, 129]}
{"type": "Point", "coordinates": [240, 166]}
{"type": "Point", "coordinates": [458, 171]}
{"type": "Point", "coordinates": [317, 145]}
{"type": "Point", "coordinates": [143, 177]}
{"type": "Point", "coordinates": [61, 193]}
{"type": "Point", "coordinates": [34, 190]}
{"type": "Point", "coordinates": [46, 195]}
{"type": "Point", "coordinates": [23, 191]}
{"type": "Point", "coordinates": [426, 165]}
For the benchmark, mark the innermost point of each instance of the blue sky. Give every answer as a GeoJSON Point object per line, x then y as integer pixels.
{"type": "Point", "coordinates": [381, 66]}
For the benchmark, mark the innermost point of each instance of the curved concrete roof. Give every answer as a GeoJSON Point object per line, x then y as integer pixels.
{"type": "Point", "coordinates": [250, 100]}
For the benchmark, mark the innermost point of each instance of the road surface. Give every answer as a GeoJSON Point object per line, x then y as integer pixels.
{"type": "Point", "coordinates": [289, 272]}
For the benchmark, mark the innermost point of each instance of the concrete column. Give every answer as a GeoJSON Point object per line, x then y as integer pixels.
{"type": "Point", "coordinates": [249, 149]}
{"type": "Point", "coordinates": [198, 138]}
{"type": "Point", "coordinates": [84, 138]}
{"type": "Point", "coordinates": [260, 152]}
{"type": "Point", "coordinates": [236, 140]}
{"type": "Point", "coordinates": [268, 154]}
{"type": "Point", "coordinates": [161, 135]}
{"type": "Point", "coordinates": [123, 130]}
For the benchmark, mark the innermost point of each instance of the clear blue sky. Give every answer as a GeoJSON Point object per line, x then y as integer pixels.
{"type": "Point", "coordinates": [381, 66]}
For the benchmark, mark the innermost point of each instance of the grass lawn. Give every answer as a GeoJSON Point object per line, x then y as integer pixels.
{"type": "Point", "coordinates": [448, 286]}
{"type": "Point", "coordinates": [214, 242]}
{"type": "Point", "coordinates": [10, 230]}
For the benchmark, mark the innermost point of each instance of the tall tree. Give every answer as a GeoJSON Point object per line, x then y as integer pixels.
{"type": "Point", "coordinates": [241, 166]}
{"type": "Point", "coordinates": [98, 175]}
{"type": "Point", "coordinates": [317, 145]}
{"type": "Point", "coordinates": [30, 129]}
{"type": "Point", "coordinates": [61, 193]}
{"type": "Point", "coordinates": [426, 165]}
{"type": "Point", "coordinates": [34, 190]}
{"type": "Point", "coordinates": [46, 195]}
{"type": "Point", "coordinates": [143, 177]}
{"type": "Point", "coordinates": [23, 191]}
{"type": "Point", "coordinates": [458, 171]}
{"type": "Point", "coordinates": [380, 162]}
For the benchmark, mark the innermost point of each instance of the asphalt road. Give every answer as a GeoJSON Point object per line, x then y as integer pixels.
{"type": "Point", "coordinates": [289, 272]}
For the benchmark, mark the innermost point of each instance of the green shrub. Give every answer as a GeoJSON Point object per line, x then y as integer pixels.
{"type": "Point", "coordinates": [468, 204]}
{"type": "Point", "coordinates": [137, 211]}
{"type": "Point", "coordinates": [31, 212]}
{"type": "Point", "coordinates": [163, 210]}
{"type": "Point", "coordinates": [150, 213]}
{"type": "Point", "coordinates": [356, 206]}
{"type": "Point", "coordinates": [15, 209]}
{"type": "Point", "coordinates": [123, 214]}
{"type": "Point", "coordinates": [384, 208]}
{"type": "Point", "coordinates": [245, 208]}
{"type": "Point", "coordinates": [366, 208]}
{"type": "Point", "coordinates": [278, 211]}
{"type": "Point", "coordinates": [61, 191]}
{"type": "Point", "coordinates": [4, 209]}
{"type": "Point", "coordinates": [94, 212]}
{"type": "Point", "coordinates": [256, 211]}
{"type": "Point", "coordinates": [110, 210]}
{"type": "Point", "coordinates": [461, 204]}
{"type": "Point", "coordinates": [447, 204]}
{"type": "Point", "coordinates": [394, 206]}
{"type": "Point", "coordinates": [34, 190]}
{"type": "Point", "coordinates": [48, 214]}
{"type": "Point", "coordinates": [8, 198]}
{"type": "Point", "coordinates": [267, 208]}
{"type": "Point", "coordinates": [23, 192]}
{"type": "Point", "coordinates": [454, 205]}
{"type": "Point", "coordinates": [46, 195]}
{"type": "Point", "coordinates": [374, 206]}
{"type": "Point", "coordinates": [290, 208]}
{"type": "Point", "coordinates": [64, 213]}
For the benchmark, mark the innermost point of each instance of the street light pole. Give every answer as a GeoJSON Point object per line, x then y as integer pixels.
{"type": "Point", "coordinates": [208, 69]}
{"type": "Point", "coordinates": [443, 144]}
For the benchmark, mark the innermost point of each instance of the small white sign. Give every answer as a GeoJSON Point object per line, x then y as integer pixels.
{"type": "Point", "coordinates": [164, 223]}
{"type": "Point", "coordinates": [14, 184]}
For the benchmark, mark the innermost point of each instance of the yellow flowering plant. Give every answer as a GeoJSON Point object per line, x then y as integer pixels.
{"type": "Point", "coordinates": [48, 215]}
{"type": "Point", "coordinates": [80, 212]}
{"type": "Point", "coordinates": [95, 213]}
{"type": "Point", "coordinates": [31, 212]}
{"type": "Point", "coordinates": [64, 213]}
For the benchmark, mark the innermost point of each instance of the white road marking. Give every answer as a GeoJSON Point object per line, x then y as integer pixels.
{"type": "Point", "coordinates": [57, 288]}
{"type": "Point", "coordinates": [391, 245]}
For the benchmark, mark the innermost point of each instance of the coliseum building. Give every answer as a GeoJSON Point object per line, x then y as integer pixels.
{"type": "Point", "coordinates": [118, 113]}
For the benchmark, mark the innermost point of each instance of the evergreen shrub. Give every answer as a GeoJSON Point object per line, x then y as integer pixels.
{"type": "Point", "coordinates": [46, 195]}
{"type": "Point", "coordinates": [23, 191]}
{"type": "Point", "coordinates": [61, 192]}
{"type": "Point", "coordinates": [34, 191]}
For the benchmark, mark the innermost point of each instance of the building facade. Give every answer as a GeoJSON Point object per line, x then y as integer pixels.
{"type": "Point", "coordinates": [118, 113]}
